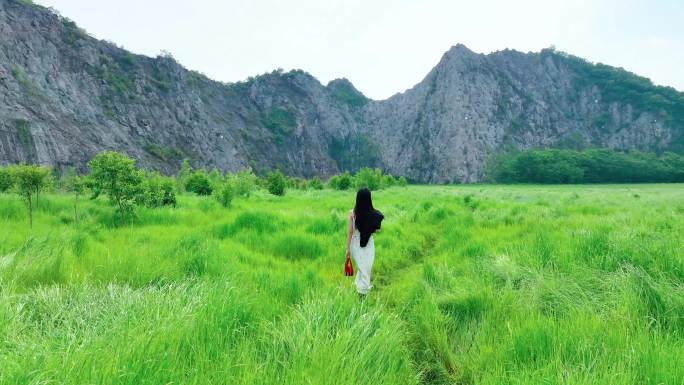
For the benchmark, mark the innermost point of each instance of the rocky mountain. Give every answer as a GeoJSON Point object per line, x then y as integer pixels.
{"type": "Point", "coordinates": [64, 96]}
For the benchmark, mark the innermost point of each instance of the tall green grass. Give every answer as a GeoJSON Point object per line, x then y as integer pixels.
{"type": "Point", "coordinates": [473, 285]}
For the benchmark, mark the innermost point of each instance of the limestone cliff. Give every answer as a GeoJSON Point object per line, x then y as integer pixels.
{"type": "Point", "coordinates": [64, 96]}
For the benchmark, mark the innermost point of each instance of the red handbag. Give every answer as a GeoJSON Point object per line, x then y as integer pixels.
{"type": "Point", "coordinates": [348, 269]}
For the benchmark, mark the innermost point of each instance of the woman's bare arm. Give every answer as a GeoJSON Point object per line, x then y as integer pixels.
{"type": "Point", "coordinates": [350, 231]}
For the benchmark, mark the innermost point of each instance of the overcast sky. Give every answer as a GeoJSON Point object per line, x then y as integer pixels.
{"type": "Point", "coordinates": [384, 46]}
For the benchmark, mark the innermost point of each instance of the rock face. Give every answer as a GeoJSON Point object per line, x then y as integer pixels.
{"type": "Point", "coordinates": [64, 96]}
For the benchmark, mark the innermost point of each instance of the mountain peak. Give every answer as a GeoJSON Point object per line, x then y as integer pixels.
{"type": "Point", "coordinates": [459, 50]}
{"type": "Point", "coordinates": [67, 96]}
{"type": "Point", "coordinates": [343, 90]}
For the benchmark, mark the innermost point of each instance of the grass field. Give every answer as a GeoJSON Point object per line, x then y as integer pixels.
{"type": "Point", "coordinates": [473, 285]}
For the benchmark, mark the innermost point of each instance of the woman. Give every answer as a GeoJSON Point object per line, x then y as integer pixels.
{"type": "Point", "coordinates": [364, 220]}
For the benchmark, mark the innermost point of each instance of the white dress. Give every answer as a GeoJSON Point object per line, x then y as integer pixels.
{"type": "Point", "coordinates": [363, 259]}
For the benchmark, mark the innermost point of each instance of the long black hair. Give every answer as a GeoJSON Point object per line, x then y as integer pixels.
{"type": "Point", "coordinates": [366, 218]}
{"type": "Point", "coordinates": [363, 207]}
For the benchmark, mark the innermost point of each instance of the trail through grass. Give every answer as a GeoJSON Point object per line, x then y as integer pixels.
{"type": "Point", "coordinates": [473, 285]}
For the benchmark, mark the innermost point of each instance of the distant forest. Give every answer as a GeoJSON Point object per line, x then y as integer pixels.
{"type": "Point", "coordinates": [556, 166]}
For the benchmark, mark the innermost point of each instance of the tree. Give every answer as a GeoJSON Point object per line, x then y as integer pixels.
{"type": "Point", "coordinates": [75, 184]}
{"type": "Point", "coordinates": [370, 178]}
{"type": "Point", "coordinates": [29, 180]}
{"type": "Point", "coordinates": [244, 182]}
{"type": "Point", "coordinates": [5, 179]}
{"type": "Point", "coordinates": [115, 174]}
{"type": "Point", "coordinates": [388, 181]}
{"type": "Point", "coordinates": [341, 182]}
{"type": "Point", "coordinates": [199, 183]}
{"type": "Point", "coordinates": [224, 193]}
{"type": "Point", "coordinates": [275, 183]}
{"type": "Point", "coordinates": [316, 183]}
{"type": "Point", "coordinates": [156, 191]}
{"type": "Point", "coordinates": [215, 177]}
{"type": "Point", "coordinates": [586, 166]}
{"type": "Point", "coordinates": [183, 175]}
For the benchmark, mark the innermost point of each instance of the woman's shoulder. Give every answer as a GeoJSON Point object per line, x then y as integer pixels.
{"type": "Point", "coordinates": [351, 213]}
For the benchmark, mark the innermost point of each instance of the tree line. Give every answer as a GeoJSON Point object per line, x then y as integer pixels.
{"type": "Point", "coordinates": [558, 166]}
{"type": "Point", "coordinates": [116, 176]}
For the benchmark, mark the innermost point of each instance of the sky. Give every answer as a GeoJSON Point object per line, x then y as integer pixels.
{"type": "Point", "coordinates": [384, 46]}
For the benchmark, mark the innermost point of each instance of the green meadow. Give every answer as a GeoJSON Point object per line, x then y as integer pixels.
{"type": "Point", "coordinates": [474, 284]}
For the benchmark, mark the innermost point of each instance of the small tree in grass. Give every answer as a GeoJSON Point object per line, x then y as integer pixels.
{"type": "Point", "coordinates": [183, 175]}
{"type": "Point", "coordinates": [215, 177]}
{"type": "Point", "coordinates": [75, 184]}
{"type": "Point", "coordinates": [5, 179]}
{"type": "Point", "coordinates": [29, 180]}
{"type": "Point", "coordinates": [115, 174]}
{"type": "Point", "coordinates": [316, 183]}
{"type": "Point", "coordinates": [244, 182]}
{"type": "Point", "coordinates": [341, 182]}
{"type": "Point", "coordinates": [275, 183]}
{"type": "Point", "coordinates": [369, 177]}
{"type": "Point", "coordinates": [388, 181]}
{"type": "Point", "coordinates": [199, 183]}
{"type": "Point", "coordinates": [156, 191]}
{"type": "Point", "coordinates": [224, 193]}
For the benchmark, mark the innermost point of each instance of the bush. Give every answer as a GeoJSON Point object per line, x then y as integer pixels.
{"type": "Point", "coordinates": [223, 193]}
{"type": "Point", "coordinates": [199, 183]}
{"type": "Point", "coordinates": [115, 174]}
{"type": "Point", "coordinates": [341, 182]}
{"type": "Point", "coordinates": [316, 183]}
{"type": "Point", "coordinates": [388, 181]}
{"type": "Point", "coordinates": [157, 191]}
{"type": "Point", "coordinates": [402, 182]}
{"type": "Point", "coordinates": [295, 183]}
{"type": "Point", "coordinates": [244, 182]}
{"type": "Point", "coordinates": [275, 183]}
{"type": "Point", "coordinates": [215, 177]}
{"type": "Point", "coordinates": [5, 179]}
{"type": "Point", "coordinates": [184, 174]}
{"type": "Point", "coordinates": [369, 178]}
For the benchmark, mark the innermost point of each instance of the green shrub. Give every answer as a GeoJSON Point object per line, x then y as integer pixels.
{"type": "Point", "coordinates": [369, 178]}
{"type": "Point", "coordinates": [215, 177]}
{"type": "Point", "coordinates": [295, 182]}
{"type": "Point", "coordinates": [184, 174]}
{"type": "Point", "coordinates": [280, 120]}
{"type": "Point", "coordinates": [388, 181]}
{"type": "Point", "coordinates": [244, 182]}
{"type": "Point", "coordinates": [316, 183]}
{"type": "Point", "coordinates": [199, 183]}
{"type": "Point", "coordinates": [275, 183]}
{"type": "Point", "coordinates": [341, 182]}
{"type": "Point", "coordinates": [402, 181]}
{"type": "Point", "coordinates": [224, 193]}
{"type": "Point", "coordinates": [5, 179]}
{"type": "Point", "coordinates": [157, 191]}
{"type": "Point", "coordinates": [344, 91]}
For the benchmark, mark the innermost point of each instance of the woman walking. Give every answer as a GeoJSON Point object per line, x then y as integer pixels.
{"type": "Point", "coordinates": [364, 220]}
